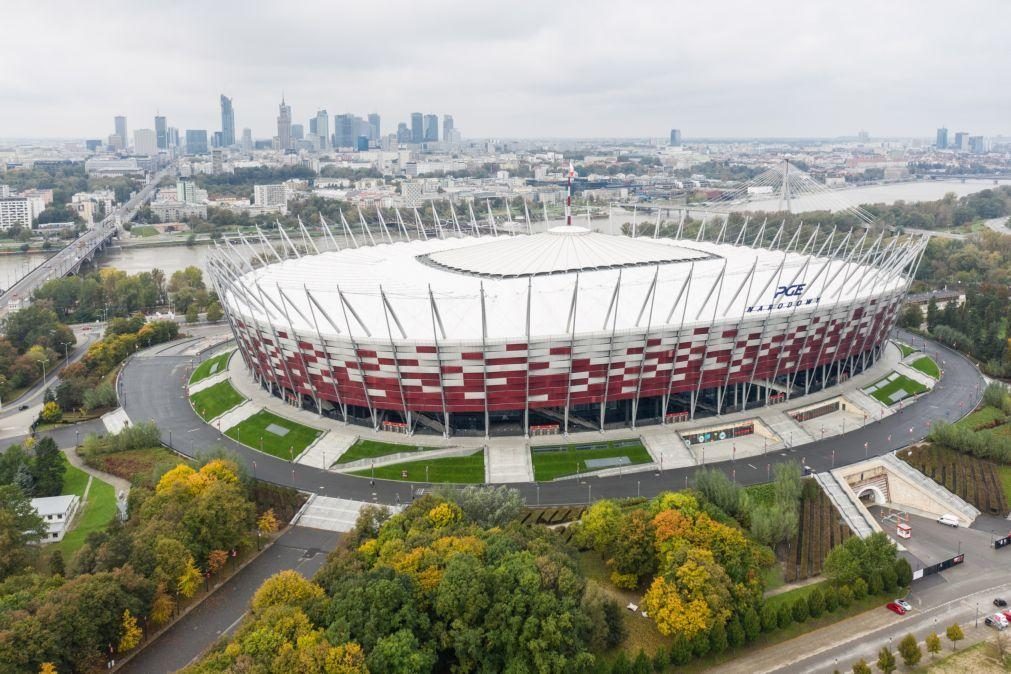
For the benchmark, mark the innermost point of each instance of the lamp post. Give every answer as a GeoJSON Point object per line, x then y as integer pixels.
{"type": "Point", "coordinates": [44, 362]}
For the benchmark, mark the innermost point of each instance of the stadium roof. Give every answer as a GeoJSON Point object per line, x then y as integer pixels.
{"type": "Point", "coordinates": [558, 250]}
{"type": "Point", "coordinates": [408, 290]}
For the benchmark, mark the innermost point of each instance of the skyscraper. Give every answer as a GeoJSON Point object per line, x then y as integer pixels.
{"type": "Point", "coordinates": [962, 141]}
{"type": "Point", "coordinates": [431, 128]}
{"type": "Point", "coordinates": [284, 126]}
{"type": "Point", "coordinates": [345, 130]}
{"type": "Point", "coordinates": [161, 132]}
{"type": "Point", "coordinates": [247, 140]}
{"type": "Point", "coordinates": [172, 136]}
{"type": "Point", "coordinates": [447, 127]}
{"type": "Point", "coordinates": [417, 127]}
{"type": "Point", "coordinates": [145, 141]}
{"type": "Point", "coordinates": [323, 129]}
{"type": "Point", "coordinates": [196, 141]}
{"type": "Point", "coordinates": [121, 130]}
{"type": "Point", "coordinates": [675, 137]}
{"type": "Point", "coordinates": [403, 133]}
{"type": "Point", "coordinates": [297, 132]}
{"type": "Point", "coordinates": [942, 139]}
{"type": "Point", "coordinates": [374, 129]}
{"type": "Point", "coordinates": [227, 122]}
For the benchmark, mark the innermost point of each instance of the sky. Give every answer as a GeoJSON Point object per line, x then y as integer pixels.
{"type": "Point", "coordinates": [517, 69]}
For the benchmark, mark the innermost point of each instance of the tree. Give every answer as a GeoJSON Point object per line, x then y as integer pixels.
{"type": "Point", "coordinates": [162, 606]}
{"type": "Point", "coordinates": [933, 644]}
{"type": "Point", "coordinates": [189, 580]}
{"type": "Point", "coordinates": [800, 609]}
{"type": "Point", "coordinates": [859, 588]}
{"type": "Point", "coordinates": [20, 528]}
{"type": "Point", "coordinates": [816, 603]}
{"type": "Point", "coordinates": [267, 523]}
{"type": "Point", "coordinates": [910, 651]}
{"type": "Point", "coordinates": [400, 653]}
{"type": "Point", "coordinates": [131, 633]}
{"type": "Point", "coordinates": [51, 413]}
{"type": "Point", "coordinates": [861, 667]}
{"type": "Point", "coordinates": [752, 624]}
{"type": "Point", "coordinates": [56, 565]}
{"type": "Point", "coordinates": [954, 634]}
{"type": "Point", "coordinates": [47, 668]}
{"type": "Point", "coordinates": [216, 561]}
{"type": "Point", "coordinates": [770, 619]}
{"type": "Point", "coordinates": [785, 617]}
{"type": "Point", "coordinates": [48, 468]}
{"type": "Point", "coordinates": [886, 660]}
{"type": "Point", "coordinates": [192, 314]}
{"type": "Point", "coordinates": [903, 572]}
{"type": "Point", "coordinates": [286, 587]}
{"type": "Point", "coordinates": [214, 312]}
{"type": "Point", "coordinates": [912, 317]}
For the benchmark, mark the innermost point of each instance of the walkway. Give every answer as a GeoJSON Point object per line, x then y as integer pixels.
{"type": "Point", "coordinates": [122, 486]}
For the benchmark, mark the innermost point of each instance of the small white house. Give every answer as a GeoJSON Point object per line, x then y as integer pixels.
{"type": "Point", "coordinates": [56, 512]}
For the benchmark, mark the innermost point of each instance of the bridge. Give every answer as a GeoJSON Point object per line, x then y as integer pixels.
{"type": "Point", "coordinates": [79, 252]}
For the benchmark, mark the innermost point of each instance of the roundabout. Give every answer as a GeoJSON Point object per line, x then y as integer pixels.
{"type": "Point", "coordinates": [154, 387]}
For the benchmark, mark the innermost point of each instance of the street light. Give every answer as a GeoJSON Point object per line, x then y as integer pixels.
{"type": "Point", "coordinates": [44, 362]}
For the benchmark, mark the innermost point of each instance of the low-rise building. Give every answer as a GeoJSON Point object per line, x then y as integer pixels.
{"type": "Point", "coordinates": [57, 512]}
{"type": "Point", "coordinates": [170, 211]}
{"type": "Point", "coordinates": [15, 212]}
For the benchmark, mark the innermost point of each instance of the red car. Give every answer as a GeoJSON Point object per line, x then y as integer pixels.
{"type": "Point", "coordinates": [892, 606]}
{"type": "Point", "coordinates": [1007, 614]}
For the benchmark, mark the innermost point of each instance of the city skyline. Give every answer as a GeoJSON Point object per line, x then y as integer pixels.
{"type": "Point", "coordinates": [516, 71]}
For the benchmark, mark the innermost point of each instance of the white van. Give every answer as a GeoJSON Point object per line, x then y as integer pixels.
{"type": "Point", "coordinates": [949, 520]}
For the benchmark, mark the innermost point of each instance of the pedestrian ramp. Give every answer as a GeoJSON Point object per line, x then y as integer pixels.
{"type": "Point", "coordinates": [948, 501]}
{"type": "Point", "coordinates": [854, 514]}
{"type": "Point", "coordinates": [332, 514]}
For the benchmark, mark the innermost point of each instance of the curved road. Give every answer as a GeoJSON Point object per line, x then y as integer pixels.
{"type": "Point", "coordinates": [154, 388]}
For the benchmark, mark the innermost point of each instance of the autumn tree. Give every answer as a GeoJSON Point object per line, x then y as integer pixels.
{"type": "Point", "coordinates": [131, 633]}
{"type": "Point", "coordinates": [288, 588]}
{"type": "Point", "coordinates": [954, 634]}
{"type": "Point", "coordinates": [861, 667]}
{"type": "Point", "coordinates": [267, 523]}
{"type": "Point", "coordinates": [188, 581]}
{"type": "Point", "coordinates": [886, 660]}
{"type": "Point", "coordinates": [933, 644]}
{"type": "Point", "coordinates": [910, 651]}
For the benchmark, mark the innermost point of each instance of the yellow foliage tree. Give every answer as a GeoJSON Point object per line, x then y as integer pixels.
{"type": "Point", "coordinates": [131, 635]}
{"type": "Point", "coordinates": [347, 658]}
{"type": "Point", "coordinates": [175, 479]}
{"type": "Point", "coordinates": [220, 469]}
{"type": "Point", "coordinates": [267, 523]}
{"type": "Point", "coordinates": [162, 606]}
{"type": "Point", "coordinates": [444, 514]}
{"type": "Point", "coordinates": [674, 616]}
{"type": "Point", "coordinates": [47, 668]}
{"type": "Point", "coordinates": [286, 587]}
{"type": "Point", "coordinates": [189, 580]}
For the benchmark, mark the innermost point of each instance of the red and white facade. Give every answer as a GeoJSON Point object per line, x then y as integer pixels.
{"type": "Point", "coordinates": [567, 329]}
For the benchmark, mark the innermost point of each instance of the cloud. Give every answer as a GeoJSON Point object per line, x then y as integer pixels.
{"type": "Point", "coordinates": [516, 69]}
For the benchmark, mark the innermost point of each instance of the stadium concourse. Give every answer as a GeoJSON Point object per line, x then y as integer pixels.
{"type": "Point", "coordinates": [560, 331]}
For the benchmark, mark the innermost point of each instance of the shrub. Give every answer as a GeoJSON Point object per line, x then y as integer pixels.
{"type": "Point", "coordinates": [752, 624]}
{"type": "Point", "coordinates": [889, 579]}
{"type": "Point", "coordinates": [876, 585]}
{"type": "Point", "coordinates": [831, 599]}
{"type": "Point", "coordinates": [859, 588]}
{"type": "Point", "coordinates": [770, 620]}
{"type": "Point", "coordinates": [785, 616]}
{"type": "Point", "coordinates": [903, 572]}
{"type": "Point", "coordinates": [816, 603]}
{"type": "Point", "coordinates": [718, 638]}
{"type": "Point", "coordinates": [845, 596]}
{"type": "Point", "coordinates": [103, 395]}
{"type": "Point", "coordinates": [800, 609]}
{"type": "Point", "coordinates": [735, 633]}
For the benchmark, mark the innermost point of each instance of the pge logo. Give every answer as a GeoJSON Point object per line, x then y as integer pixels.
{"type": "Point", "coordinates": [789, 291]}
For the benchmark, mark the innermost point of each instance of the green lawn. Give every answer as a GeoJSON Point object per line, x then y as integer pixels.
{"type": "Point", "coordinates": [215, 400]}
{"type": "Point", "coordinates": [927, 366]}
{"type": "Point", "coordinates": [95, 514]}
{"type": "Point", "coordinates": [905, 349]}
{"type": "Point", "coordinates": [457, 469]}
{"type": "Point", "coordinates": [370, 449]}
{"type": "Point", "coordinates": [253, 432]}
{"type": "Point", "coordinates": [143, 230]}
{"type": "Point", "coordinates": [211, 367]}
{"type": "Point", "coordinates": [791, 596]}
{"type": "Point", "coordinates": [985, 417]}
{"type": "Point", "coordinates": [885, 389]}
{"type": "Point", "coordinates": [568, 460]}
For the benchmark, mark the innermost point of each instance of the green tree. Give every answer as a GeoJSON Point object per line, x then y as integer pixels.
{"type": "Point", "coordinates": [785, 615]}
{"type": "Point", "coordinates": [861, 667]}
{"type": "Point", "coordinates": [752, 624]}
{"type": "Point", "coordinates": [48, 468]}
{"type": "Point", "coordinates": [912, 317]}
{"type": "Point", "coordinates": [400, 653]}
{"type": "Point", "coordinates": [933, 644]}
{"type": "Point", "coordinates": [770, 619]}
{"type": "Point", "coordinates": [859, 588]}
{"type": "Point", "coordinates": [910, 651]}
{"type": "Point", "coordinates": [192, 314]}
{"type": "Point", "coordinates": [816, 603]}
{"type": "Point", "coordinates": [903, 572]}
{"type": "Point", "coordinates": [845, 596]}
{"type": "Point", "coordinates": [214, 312]}
{"type": "Point", "coordinates": [954, 634]}
{"type": "Point", "coordinates": [718, 640]}
{"type": "Point", "coordinates": [56, 565]}
{"type": "Point", "coordinates": [886, 660]}
{"type": "Point", "coordinates": [831, 599]}
{"type": "Point", "coordinates": [800, 609]}
{"type": "Point", "coordinates": [735, 633]}
{"type": "Point", "coordinates": [20, 528]}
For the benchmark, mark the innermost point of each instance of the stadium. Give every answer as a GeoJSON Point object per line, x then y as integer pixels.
{"type": "Point", "coordinates": [491, 332]}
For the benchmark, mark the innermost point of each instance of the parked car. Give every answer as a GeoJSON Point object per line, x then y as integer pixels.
{"type": "Point", "coordinates": [1006, 613]}
{"type": "Point", "coordinates": [904, 604]}
{"type": "Point", "coordinates": [948, 519]}
{"type": "Point", "coordinates": [999, 602]}
{"type": "Point", "coordinates": [895, 608]}
{"type": "Point", "coordinates": [997, 621]}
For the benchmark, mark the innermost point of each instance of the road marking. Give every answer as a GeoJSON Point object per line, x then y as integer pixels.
{"type": "Point", "coordinates": [753, 467]}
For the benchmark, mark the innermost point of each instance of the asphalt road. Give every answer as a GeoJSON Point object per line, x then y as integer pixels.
{"type": "Point", "coordinates": [154, 388]}
{"type": "Point", "coordinates": [302, 549]}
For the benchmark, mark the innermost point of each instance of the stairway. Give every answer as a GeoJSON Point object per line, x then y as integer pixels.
{"type": "Point", "coordinates": [852, 512]}
{"type": "Point", "coordinates": [955, 504]}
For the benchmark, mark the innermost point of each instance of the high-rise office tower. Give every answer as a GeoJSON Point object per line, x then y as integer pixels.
{"type": "Point", "coordinates": [447, 127]}
{"type": "Point", "coordinates": [323, 129]}
{"type": "Point", "coordinates": [172, 136]}
{"type": "Point", "coordinates": [247, 140]}
{"type": "Point", "coordinates": [196, 141]}
{"type": "Point", "coordinates": [417, 127]}
{"type": "Point", "coordinates": [942, 139]}
{"type": "Point", "coordinates": [227, 122]}
{"type": "Point", "coordinates": [345, 130]}
{"type": "Point", "coordinates": [121, 130]}
{"type": "Point", "coordinates": [161, 132]}
{"type": "Point", "coordinates": [431, 128]}
{"type": "Point", "coordinates": [297, 132]}
{"type": "Point", "coordinates": [403, 133]}
{"type": "Point", "coordinates": [374, 129]}
{"type": "Point", "coordinates": [962, 141]}
{"type": "Point", "coordinates": [145, 141]}
{"type": "Point", "coordinates": [675, 137]}
{"type": "Point", "coordinates": [284, 126]}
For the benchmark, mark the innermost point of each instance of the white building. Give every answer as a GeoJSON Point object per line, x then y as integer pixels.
{"type": "Point", "coordinates": [271, 196]}
{"type": "Point", "coordinates": [145, 141]}
{"type": "Point", "coordinates": [177, 211]}
{"type": "Point", "coordinates": [15, 212]}
{"type": "Point", "coordinates": [56, 512]}
{"type": "Point", "coordinates": [188, 192]}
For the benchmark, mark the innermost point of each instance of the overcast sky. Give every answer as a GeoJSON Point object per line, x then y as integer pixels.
{"type": "Point", "coordinates": [726, 68]}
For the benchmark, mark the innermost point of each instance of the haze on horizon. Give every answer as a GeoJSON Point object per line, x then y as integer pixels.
{"type": "Point", "coordinates": [517, 69]}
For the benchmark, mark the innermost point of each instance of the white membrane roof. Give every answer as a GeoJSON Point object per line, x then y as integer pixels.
{"type": "Point", "coordinates": [721, 289]}
{"type": "Point", "coordinates": [558, 250]}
